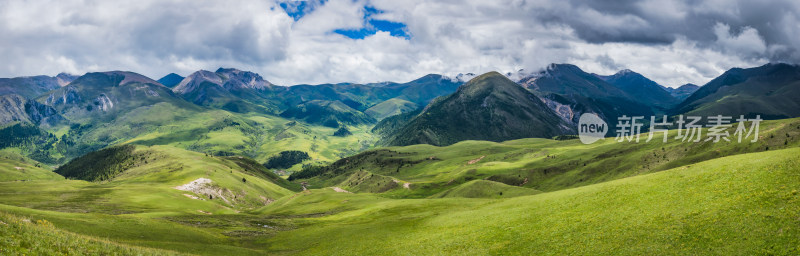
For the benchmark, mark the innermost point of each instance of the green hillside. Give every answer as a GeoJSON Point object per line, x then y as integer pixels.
{"type": "Point", "coordinates": [540, 164]}
{"type": "Point", "coordinates": [389, 108]}
{"type": "Point", "coordinates": [488, 107]}
{"type": "Point", "coordinates": [327, 113]}
{"type": "Point", "coordinates": [746, 204]}
{"type": "Point", "coordinates": [15, 167]}
{"type": "Point", "coordinates": [486, 189]}
{"type": "Point", "coordinates": [148, 180]}
{"type": "Point", "coordinates": [24, 236]}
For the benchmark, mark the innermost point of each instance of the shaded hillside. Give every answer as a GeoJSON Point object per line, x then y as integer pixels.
{"type": "Point", "coordinates": [771, 90]}
{"type": "Point", "coordinates": [641, 89]}
{"type": "Point", "coordinates": [32, 86]}
{"type": "Point", "coordinates": [570, 92]}
{"type": "Point", "coordinates": [100, 165]}
{"type": "Point", "coordinates": [171, 80]}
{"type": "Point", "coordinates": [327, 113]}
{"type": "Point", "coordinates": [683, 92]}
{"type": "Point", "coordinates": [489, 107]}
{"type": "Point", "coordinates": [15, 108]}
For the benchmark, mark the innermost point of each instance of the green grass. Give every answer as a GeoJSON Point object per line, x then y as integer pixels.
{"type": "Point", "coordinates": [742, 205]}
{"type": "Point", "coordinates": [207, 130]}
{"type": "Point", "coordinates": [486, 189]}
{"type": "Point", "coordinates": [629, 199]}
{"type": "Point", "coordinates": [542, 164]}
{"type": "Point", "coordinates": [149, 185]}
{"type": "Point", "coordinates": [390, 107]}
{"type": "Point", "coordinates": [15, 167]}
{"type": "Point", "coordinates": [23, 236]}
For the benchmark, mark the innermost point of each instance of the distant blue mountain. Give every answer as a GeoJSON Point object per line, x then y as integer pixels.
{"type": "Point", "coordinates": [171, 80]}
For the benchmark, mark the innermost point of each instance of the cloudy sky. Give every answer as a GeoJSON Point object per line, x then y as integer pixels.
{"type": "Point", "coordinates": [292, 42]}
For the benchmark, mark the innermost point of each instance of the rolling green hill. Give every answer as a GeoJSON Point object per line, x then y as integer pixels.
{"type": "Point", "coordinates": [485, 189]}
{"type": "Point", "coordinates": [389, 108]}
{"type": "Point", "coordinates": [150, 178]}
{"type": "Point", "coordinates": [327, 113]}
{"type": "Point", "coordinates": [15, 167]}
{"type": "Point", "coordinates": [541, 164]}
{"type": "Point", "coordinates": [745, 204]}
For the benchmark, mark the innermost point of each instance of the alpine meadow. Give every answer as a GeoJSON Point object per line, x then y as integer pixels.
{"type": "Point", "coordinates": [376, 127]}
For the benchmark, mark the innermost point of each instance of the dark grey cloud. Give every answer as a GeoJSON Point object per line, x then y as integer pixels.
{"type": "Point", "coordinates": [663, 22]}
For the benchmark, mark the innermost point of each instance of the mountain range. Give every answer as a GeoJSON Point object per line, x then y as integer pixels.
{"type": "Point", "coordinates": [107, 108]}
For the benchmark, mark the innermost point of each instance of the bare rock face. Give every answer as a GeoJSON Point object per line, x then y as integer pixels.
{"type": "Point", "coordinates": [68, 96]}
{"type": "Point", "coordinates": [41, 114]}
{"type": "Point", "coordinates": [15, 108]}
{"type": "Point", "coordinates": [12, 109]}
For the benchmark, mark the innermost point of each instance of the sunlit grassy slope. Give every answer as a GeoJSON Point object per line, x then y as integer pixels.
{"type": "Point", "coordinates": [746, 204]}
{"type": "Point", "coordinates": [540, 164]}
{"type": "Point", "coordinates": [40, 237]}
{"type": "Point", "coordinates": [15, 167]}
{"type": "Point", "coordinates": [149, 185]}
{"type": "Point", "coordinates": [257, 136]}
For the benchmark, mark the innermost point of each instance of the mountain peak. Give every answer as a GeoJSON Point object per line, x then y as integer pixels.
{"type": "Point", "coordinates": [171, 80]}
{"type": "Point", "coordinates": [488, 107]}
{"type": "Point", "coordinates": [640, 88]}
{"type": "Point", "coordinates": [65, 78]}
{"type": "Point", "coordinates": [689, 85]}
{"type": "Point", "coordinates": [115, 78]}
{"type": "Point", "coordinates": [489, 81]}
{"type": "Point", "coordinates": [625, 72]}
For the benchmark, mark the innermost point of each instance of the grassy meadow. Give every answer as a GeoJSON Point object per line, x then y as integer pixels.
{"type": "Point", "coordinates": [521, 197]}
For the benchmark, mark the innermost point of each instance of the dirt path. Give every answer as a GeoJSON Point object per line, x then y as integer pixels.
{"type": "Point", "coordinates": [473, 161]}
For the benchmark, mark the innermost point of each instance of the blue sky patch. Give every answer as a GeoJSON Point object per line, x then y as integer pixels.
{"type": "Point", "coordinates": [372, 26]}
{"type": "Point", "coordinates": [395, 29]}
{"type": "Point", "coordinates": [298, 9]}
